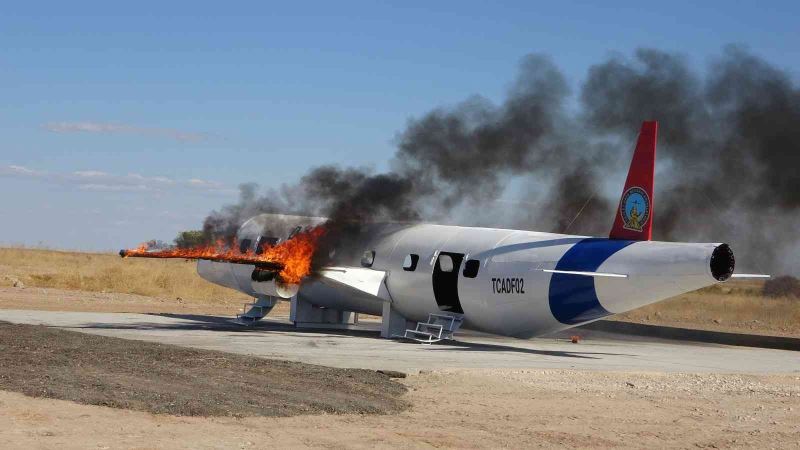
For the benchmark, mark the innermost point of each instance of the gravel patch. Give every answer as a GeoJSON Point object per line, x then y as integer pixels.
{"type": "Point", "coordinates": [47, 362]}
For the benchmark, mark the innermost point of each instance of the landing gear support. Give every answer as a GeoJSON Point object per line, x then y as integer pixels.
{"type": "Point", "coordinates": [304, 314]}
{"type": "Point", "coordinates": [393, 324]}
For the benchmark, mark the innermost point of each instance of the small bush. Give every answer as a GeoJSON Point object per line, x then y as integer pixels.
{"type": "Point", "coordinates": [43, 279]}
{"type": "Point", "coordinates": [785, 286]}
{"type": "Point", "coordinates": [189, 239]}
{"type": "Point", "coordinates": [163, 281]}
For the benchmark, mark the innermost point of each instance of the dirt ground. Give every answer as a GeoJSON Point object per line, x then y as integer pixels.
{"type": "Point", "coordinates": [461, 409]}
{"type": "Point", "coordinates": [48, 362]}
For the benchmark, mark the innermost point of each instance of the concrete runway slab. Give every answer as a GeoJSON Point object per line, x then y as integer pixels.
{"type": "Point", "coordinates": [362, 348]}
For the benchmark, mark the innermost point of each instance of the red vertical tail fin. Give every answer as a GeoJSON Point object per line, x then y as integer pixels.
{"type": "Point", "coordinates": [634, 218]}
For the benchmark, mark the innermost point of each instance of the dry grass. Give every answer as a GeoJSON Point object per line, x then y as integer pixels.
{"type": "Point", "coordinates": [733, 306]}
{"type": "Point", "coordinates": [103, 272]}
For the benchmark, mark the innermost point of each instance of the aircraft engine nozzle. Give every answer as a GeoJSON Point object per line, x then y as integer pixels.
{"type": "Point", "coordinates": [722, 262]}
{"type": "Point", "coordinates": [269, 282]}
{"type": "Point", "coordinates": [286, 290]}
{"type": "Point", "coordinates": [255, 281]}
{"type": "Point", "coordinates": [262, 275]}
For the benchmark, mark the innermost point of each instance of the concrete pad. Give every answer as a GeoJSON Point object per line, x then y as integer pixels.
{"type": "Point", "coordinates": [362, 348]}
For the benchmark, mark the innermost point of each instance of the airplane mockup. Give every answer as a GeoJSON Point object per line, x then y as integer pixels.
{"type": "Point", "coordinates": [426, 281]}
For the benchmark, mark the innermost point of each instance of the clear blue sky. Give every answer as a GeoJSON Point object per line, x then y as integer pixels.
{"type": "Point", "coordinates": [125, 122]}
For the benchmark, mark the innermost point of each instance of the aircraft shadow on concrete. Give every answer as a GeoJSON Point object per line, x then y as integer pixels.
{"type": "Point", "coordinates": [199, 322]}
{"type": "Point", "coordinates": [486, 347]}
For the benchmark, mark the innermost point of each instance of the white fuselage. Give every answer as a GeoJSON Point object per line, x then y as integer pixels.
{"type": "Point", "coordinates": [507, 288]}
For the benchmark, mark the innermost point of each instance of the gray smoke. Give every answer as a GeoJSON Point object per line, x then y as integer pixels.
{"type": "Point", "coordinates": [728, 152]}
{"type": "Point", "coordinates": [729, 141]}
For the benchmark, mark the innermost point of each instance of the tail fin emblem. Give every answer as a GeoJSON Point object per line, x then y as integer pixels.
{"type": "Point", "coordinates": [635, 218]}
{"type": "Point", "coordinates": [635, 209]}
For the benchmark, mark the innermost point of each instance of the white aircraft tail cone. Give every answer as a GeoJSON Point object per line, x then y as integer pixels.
{"type": "Point", "coordinates": [660, 270]}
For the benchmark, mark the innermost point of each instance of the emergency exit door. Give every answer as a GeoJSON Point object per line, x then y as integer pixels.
{"type": "Point", "coordinates": [445, 281]}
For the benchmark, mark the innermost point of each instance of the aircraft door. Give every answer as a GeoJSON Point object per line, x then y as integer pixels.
{"type": "Point", "coordinates": [445, 281]}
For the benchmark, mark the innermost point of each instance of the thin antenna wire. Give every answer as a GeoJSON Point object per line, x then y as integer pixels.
{"type": "Point", "coordinates": [579, 213]}
{"type": "Point", "coordinates": [594, 193]}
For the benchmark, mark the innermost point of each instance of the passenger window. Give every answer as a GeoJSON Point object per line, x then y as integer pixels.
{"type": "Point", "coordinates": [445, 263]}
{"type": "Point", "coordinates": [471, 268]}
{"type": "Point", "coordinates": [368, 258]}
{"type": "Point", "coordinates": [244, 246]}
{"type": "Point", "coordinates": [410, 263]}
{"type": "Point", "coordinates": [294, 232]}
{"type": "Point", "coordinates": [264, 242]}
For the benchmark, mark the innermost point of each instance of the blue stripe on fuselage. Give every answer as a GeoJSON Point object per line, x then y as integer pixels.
{"type": "Point", "coordinates": [573, 298]}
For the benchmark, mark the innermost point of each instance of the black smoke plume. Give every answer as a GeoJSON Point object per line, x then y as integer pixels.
{"type": "Point", "coordinates": [727, 163]}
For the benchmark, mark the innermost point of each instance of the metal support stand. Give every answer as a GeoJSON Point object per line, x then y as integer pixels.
{"type": "Point", "coordinates": [304, 314]}
{"type": "Point", "coordinates": [393, 324]}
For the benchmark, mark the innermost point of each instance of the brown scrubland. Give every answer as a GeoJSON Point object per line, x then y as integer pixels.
{"type": "Point", "coordinates": [106, 272]}
{"type": "Point", "coordinates": [142, 285]}
{"type": "Point", "coordinates": [735, 306]}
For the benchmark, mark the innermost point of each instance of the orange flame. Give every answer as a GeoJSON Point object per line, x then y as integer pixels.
{"type": "Point", "coordinates": [292, 257]}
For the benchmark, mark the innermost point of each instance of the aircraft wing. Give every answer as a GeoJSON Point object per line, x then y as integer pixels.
{"type": "Point", "coordinates": [359, 280]}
